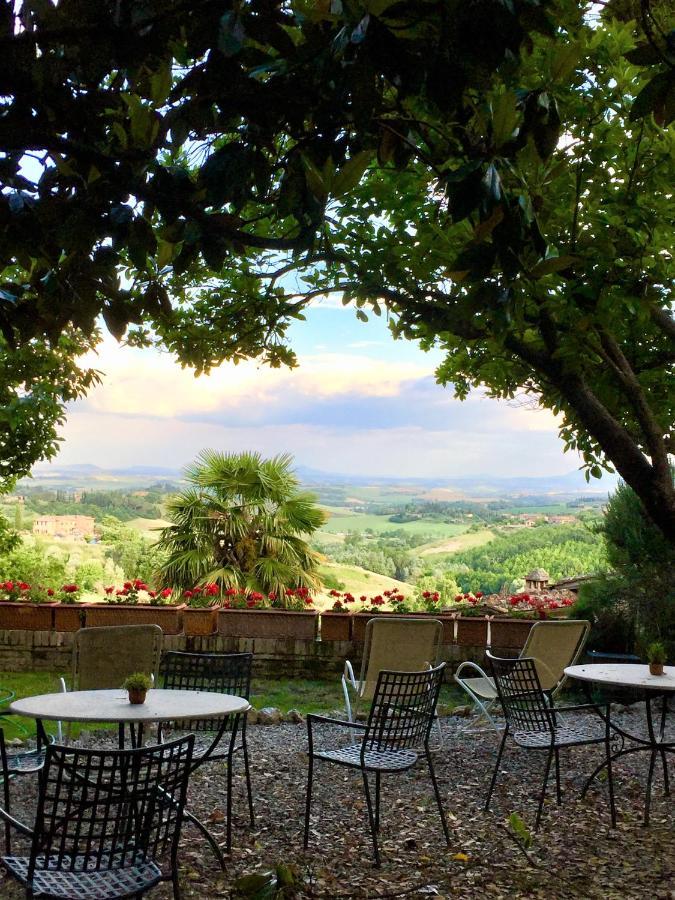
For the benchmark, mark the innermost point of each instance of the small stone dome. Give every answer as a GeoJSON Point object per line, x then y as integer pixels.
{"type": "Point", "coordinates": [538, 575]}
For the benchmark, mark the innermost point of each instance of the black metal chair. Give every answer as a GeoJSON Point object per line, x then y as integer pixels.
{"type": "Point", "coordinates": [535, 723]}
{"type": "Point", "coordinates": [400, 720]}
{"type": "Point", "coordinates": [107, 822]}
{"type": "Point", "coordinates": [18, 761]}
{"type": "Point", "coordinates": [226, 673]}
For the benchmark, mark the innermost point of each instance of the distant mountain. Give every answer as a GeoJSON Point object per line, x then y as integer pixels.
{"type": "Point", "coordinates": [488, 486]}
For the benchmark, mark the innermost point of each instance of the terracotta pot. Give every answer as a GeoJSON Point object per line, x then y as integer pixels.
{"type": "Point", "coordinates": [169, 618]}
{"type": "Point", "coordinates": [268, 623]}
{"type": "Point", "coordinates": [21, 616]}
{"type": "Point", "coordinates": [510, 633]}
{"type": "Point", "coordinates": [655, 668]}
{"type": "Point", "coordinates": [137, 696]}
{"type": "Point", "coordinates": [70, 616]}
{"type": "Point", "coordinates": [199, 621]}
{"type": "Point", "coordinates": [336, 626]}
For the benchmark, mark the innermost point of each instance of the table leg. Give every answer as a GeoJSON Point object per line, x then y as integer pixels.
{"type": "Point", "coordinates": [655, 745]}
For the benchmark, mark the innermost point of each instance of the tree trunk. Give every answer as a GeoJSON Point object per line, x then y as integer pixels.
{"type": "Point", "coordinates": [653, 484]}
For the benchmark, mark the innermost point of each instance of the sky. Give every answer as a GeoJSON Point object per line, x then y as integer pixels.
{"type": "Point", "coordinates": [359, 403]}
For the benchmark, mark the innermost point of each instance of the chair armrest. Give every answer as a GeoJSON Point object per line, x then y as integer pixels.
{"type": "Point", "coordinates": [63, 685]}
{"type": "Point", "coordinates": [313, 719]}
{"type": "Point", "coordinates": [15, 823]}
{"type": "Point", "coordinates": [467, 664]}
{"type": "Point", "coordinates": [329, 720]}
{"type": "Point", "coordinates": [349, 676]}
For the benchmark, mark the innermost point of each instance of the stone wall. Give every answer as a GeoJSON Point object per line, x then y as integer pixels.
{"type": "Point", "coordinates": [51, 651]}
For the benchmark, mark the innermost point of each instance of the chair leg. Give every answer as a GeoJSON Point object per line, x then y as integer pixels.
{"type": "Point", "coordinates": [610, 782]}
{"type": "Point", "coordinates": [558, 792]}
{"type": "Point", "coordinates": [650, 778]}
{"type": "Point", "coordinates": [496, 770]}
{"type": "Point", "coordinates": [308, 802]}
{"type": "Point", "coordinates": [247, 773]}
{"type": "Point", "coordinates": [176, 885]}
{"type": "Point", "coordinates": [228, 814]}
{"type": "Point", "coordinates": [8, 833]}
{"type": "Point", "coordinates": [549, 760]}
{"type": "Point", "coordinates": [377, 801]}
{"type": "Point", "coordinates": [437, 794]}
{"type": "Point", "coordinates": [371, 817]}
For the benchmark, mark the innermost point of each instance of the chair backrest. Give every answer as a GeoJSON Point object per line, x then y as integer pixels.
{"type": "Point", "coordinates": [103, 657]}
{"type": "Point", "coordinates": [521, 694]}
{"type": "Point", "coordinates": [224, 673]}
{"type": "Point", "coordinates": [402, 711]}
{"type": "Point", "coordinates": [554, 645]}
{"type": "Point", "coordinates": [109, 809]}
{"type": "Point", "coordinates": [401, 643]}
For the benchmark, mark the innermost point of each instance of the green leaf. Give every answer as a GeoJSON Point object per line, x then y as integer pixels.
{"type": "Point", "coordinates": [504, 118]}
{"type": "Point", "coordinates": [643, 55]}
{"type": "Point", "coordinates": [657, 97]}
{"type": "Point", "coordinates": [565, 61]}
{"type": "Point", "coordinates": [350, 174]}
{"type": "Point", "coordinates": [520, 830]}
{"type": "Point", "coordinates": [554, 264]}
{"type": "Point", "coordinates": [314, 179]}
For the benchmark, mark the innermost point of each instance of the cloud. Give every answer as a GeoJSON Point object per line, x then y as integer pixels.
{"type": "Point", "coordinates": [145, 382]}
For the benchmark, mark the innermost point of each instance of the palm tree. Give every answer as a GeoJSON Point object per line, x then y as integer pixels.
{"type": "Point", "coordinates": [242, 523]}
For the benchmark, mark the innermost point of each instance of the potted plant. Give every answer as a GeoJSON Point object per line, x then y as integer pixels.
{"type": "Point", "coordinates": [136, 604]}
{"type": "Point", "coordinates": [25, 608]}
{"type": "Point", "coordinates": [656, 654]}
{"type": "Point", "coordinates": [70, 614]}
{"type": "Point", "coordinates": [199, 615]}
{"type": "Point", "coordinates": [138, 684]}
{"type": "Point", "coordinates": [252, 615]}
{"type": "Point", "coordinates": [336, 622]}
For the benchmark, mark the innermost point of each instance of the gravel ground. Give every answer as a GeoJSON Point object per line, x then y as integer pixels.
{"type": "Point", "coordinates": [574, 854]}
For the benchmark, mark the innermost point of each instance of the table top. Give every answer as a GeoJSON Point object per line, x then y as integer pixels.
{"type": "Point", "coordinates": [624, 674]}
{"type": "Point", "coordinates": [113, 706]}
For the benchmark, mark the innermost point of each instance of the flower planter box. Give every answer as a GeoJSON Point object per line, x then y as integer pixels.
{"type": "Point", "coordinates": [22, 616]}
{"type": "Point", "coordinates": [471, 631]}
{"type": "Point", "coordinates": [70, 616]}
{"type": "Point", "coordinates": [169, 618]}
{"type": "Point", "coordinates": [268, 623]}
{"type": "Point", "coordinates": [359, 622]}
{"type": "Point", "coordinates": [336, 626]}
{"type": "Point", "coordinates": [199, 621]}
{"type": "Point", "coordinates": [510, 633]}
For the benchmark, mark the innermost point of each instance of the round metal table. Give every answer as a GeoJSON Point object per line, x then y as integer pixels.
{"type": "Point", "coordinates": [653, 687]}
{"type": "Point", "coordinates": [113, 706]}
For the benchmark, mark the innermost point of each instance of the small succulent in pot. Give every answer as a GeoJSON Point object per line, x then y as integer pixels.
{"type": "Point", "coordinates": [137, 684]}
{"type": "Point", "coordinates": [656, 653]}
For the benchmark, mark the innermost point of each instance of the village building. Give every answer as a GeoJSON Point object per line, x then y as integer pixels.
{"type": "Point", "coordinates": [77, 527]}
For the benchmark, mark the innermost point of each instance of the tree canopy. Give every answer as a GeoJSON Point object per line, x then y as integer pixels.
{"type": "Point", "coordinates": [493, 173]}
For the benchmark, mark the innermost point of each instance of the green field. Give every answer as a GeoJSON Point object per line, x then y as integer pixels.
{"type": "Point", "coordinates": [456, 544]}
{"type": "Point", "coordinates": [360, 581]}
{"type": "Point", "coordinates": [341, 524]}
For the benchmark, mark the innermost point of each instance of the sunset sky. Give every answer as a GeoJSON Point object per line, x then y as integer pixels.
{"type": "Point", "coordinates": [359, 403]}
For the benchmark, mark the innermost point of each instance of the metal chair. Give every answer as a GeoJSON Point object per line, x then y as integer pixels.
{"type": "Point", "coordinates": [403, 643]}
{"type": "Point", "coordinates": [104, 657]}
{"type": "Point", "coordinates": [400, 721]}
{"type": "Point", "coordinates": [107, 822]}
{"type": "Point", "coordinates": [535, 724]}
{"type": "Point", "coordinates": [552, 645]}
{"type": "Point", "coordinates": [226, 673]}
{"type": "Point", "coordinates": [19, 761]}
